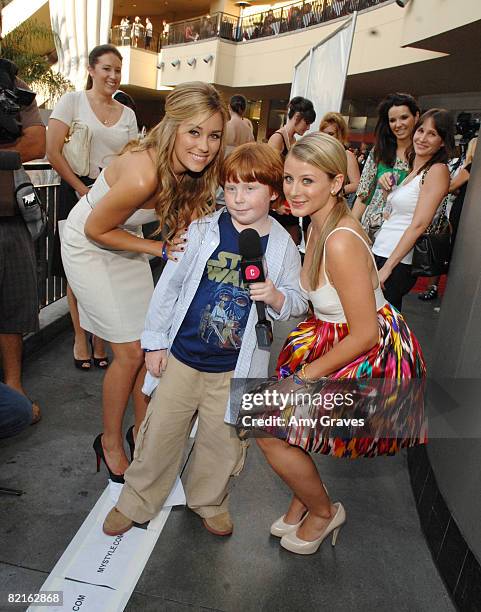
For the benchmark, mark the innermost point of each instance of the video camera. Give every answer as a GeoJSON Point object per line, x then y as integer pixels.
{"type": "Point", "coordinates": [467, 127]}
{"type": "Point", "coordinates": [12, 99]}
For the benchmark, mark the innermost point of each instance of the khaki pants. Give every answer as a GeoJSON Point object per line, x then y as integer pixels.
{"type": "Point", "coordinates": [218, 453]}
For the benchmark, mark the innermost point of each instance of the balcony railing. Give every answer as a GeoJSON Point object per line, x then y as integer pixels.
{"type": "Point", "coordinates": [202, 28]}
{"type": "Point", "coordinates": [127, 36]}
{"type": "Point", "coordinates": [289, 18]}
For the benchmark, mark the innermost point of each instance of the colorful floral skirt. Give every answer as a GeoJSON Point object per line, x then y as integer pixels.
{"type": "Point", "coordinates": [397, 357]}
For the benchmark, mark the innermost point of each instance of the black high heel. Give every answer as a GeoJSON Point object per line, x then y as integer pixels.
{"type": "Point", "coordinates": [99, 452]}
{"type": "Point", "coordinates": [82, 364]}
{"type": "Point", "coordinates": [129, 436]}
{"type": "Point", "coordinates": [99, 362]}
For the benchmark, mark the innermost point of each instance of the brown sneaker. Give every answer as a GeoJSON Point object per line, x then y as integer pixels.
{"type": "Point", "coordinates": [116, 523]}
{"type": "Point", "coordinates": [220, 525]}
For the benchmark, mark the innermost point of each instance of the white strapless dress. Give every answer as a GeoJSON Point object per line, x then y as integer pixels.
{"type": "Point", "coordinates": [113, 288]}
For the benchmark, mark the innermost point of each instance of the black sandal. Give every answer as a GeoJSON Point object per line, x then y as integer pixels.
{"type": "Point", "coordinates": [99, 362]}
{"type": "Point", "coordinates": [82, 364]}
{"type": "Point", "coordinates": [431, 293]}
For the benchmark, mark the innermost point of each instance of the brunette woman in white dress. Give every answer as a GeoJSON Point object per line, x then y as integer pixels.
{"type": "Point", "coordinates": [111, 125]}
{"type": "Point", "coordinates": [171, 175]}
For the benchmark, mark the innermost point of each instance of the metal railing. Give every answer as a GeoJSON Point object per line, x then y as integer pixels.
{"type": "Point", "coordinates": [220, 25]}
{"type": "Point", "coordinates": [50, 288]}
{"type": "Point", "coordinates": [122, 36]}
{"type": "Point", "coordinates": [288, 18]}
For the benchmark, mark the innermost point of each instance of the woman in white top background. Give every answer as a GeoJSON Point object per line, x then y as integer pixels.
{"type": "Point", "coordinates": [353, 334]}
{"type": "Point", "coordinates": [111, 125]}
{"type": "Point", "coordinates": [414, 203]}
{"type": "Point", "coordinates": [172, 176]}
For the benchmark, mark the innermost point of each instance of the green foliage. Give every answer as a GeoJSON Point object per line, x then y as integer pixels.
{"type": "Point", "coordinates": [19, 47]}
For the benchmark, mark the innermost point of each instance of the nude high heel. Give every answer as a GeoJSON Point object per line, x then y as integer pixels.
{"type": "Point", "coordinates": [291, 542]}
{"type": "Point", "coordinates": [280, 528]}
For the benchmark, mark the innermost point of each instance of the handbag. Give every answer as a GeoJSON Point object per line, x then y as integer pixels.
{"type": "Point", "coordinates": [432, 249]}
{"type": "Point", "coordinates": [29, 204]}
{"type": "Point", "coordinates": [76, 149]}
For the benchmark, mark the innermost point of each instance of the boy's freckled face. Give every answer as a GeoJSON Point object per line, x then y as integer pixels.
{"type": "Point", "coordinates": [247, 203]}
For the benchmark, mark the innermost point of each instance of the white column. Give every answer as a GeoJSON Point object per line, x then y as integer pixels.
{"type": "Point", "coordinates": [79, 26]}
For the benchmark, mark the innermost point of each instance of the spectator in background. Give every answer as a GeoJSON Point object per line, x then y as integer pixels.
{"type": "Point", "coordinates": [362, 156]}
{"type": "Point", "coordinates": [124, 31]}
{"type": "Point", "coordinates": [148, 32]}
{"type": "Point", "coordinates": [459, 184]}
{"type": "Point", "coordinates": [397, 116]}
{"type": "Point", "coordinates": [335, 125]}
{"type": "Point", "coordinates": [16, 412]}
{"type": "Point", "coordinates": [414, 203]}
{"type": "Point", "coordinates": [457, 188]}
{"type": "Point", "coordinates": [207, 29]}
{"type": "Point", "coordinates": [18, 292]}
{"type": "Point", "coordinates": [295, 18]}
{"type": "Point", "coordinates": [237, 130]}
{"type": "Point", "coordinates": [137, 31]}
{"type": "Point", "coordinates": [165, 31]}
{"type": "Point", "coordinates": [190, 35]}
{"type": "Point", "coordinates": [111, 126]}
{"type": "Point", "coordinates": [267, 27]}
{"type": "Point", "coordinates": [300, 115]}
{"type": "Point", "coordinates": [308, 17]}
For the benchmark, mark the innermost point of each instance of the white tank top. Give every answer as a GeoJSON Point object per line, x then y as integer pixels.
{"type": "Point", "coordinates": [325, 300]}
{"type": "Point", "coordinates": [403, 202]}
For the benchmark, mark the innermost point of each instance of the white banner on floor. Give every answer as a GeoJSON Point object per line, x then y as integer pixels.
{"type": "Point", "coordinates": [321, 74]}
{"type": "Point", "coordinates": [101, 571]}
{"type": "Point", "coordinates": [85, 597]}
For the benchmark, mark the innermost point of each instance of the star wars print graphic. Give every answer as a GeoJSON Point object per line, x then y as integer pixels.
{"type": "Point", "coordinates": [223, 319]}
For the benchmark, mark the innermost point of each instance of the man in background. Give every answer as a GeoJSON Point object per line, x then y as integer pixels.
{"type": "Point", "coordinates": [18, 279]}
{"type": "Point", "coordinates": [238, 130]}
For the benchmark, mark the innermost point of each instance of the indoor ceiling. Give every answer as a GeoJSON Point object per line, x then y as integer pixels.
{"type": "Point", "coordinates": [171, 10]}
{"type": "Point", "coordinates": [454, 73]}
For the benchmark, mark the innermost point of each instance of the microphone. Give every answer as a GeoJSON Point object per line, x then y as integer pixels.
{"type": "Point", "coordinates": [252, 271]}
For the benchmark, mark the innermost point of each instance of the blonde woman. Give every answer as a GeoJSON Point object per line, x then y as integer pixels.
{"type": "Point", "coordinates": [171, 176]}
{"type": "Point", "coordinates": [334, 125]}
{"type": "Point", "coordinates": [354, 333]}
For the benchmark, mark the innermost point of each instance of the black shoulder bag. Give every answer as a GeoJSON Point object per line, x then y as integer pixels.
{"type": "Point", "coordinates": [433, 248]}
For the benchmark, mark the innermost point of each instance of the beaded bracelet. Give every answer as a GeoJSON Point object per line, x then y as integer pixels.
{"type": "Point", "coordinates": [165, 255]}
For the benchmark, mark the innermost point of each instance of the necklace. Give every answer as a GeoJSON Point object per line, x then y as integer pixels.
{"type": "Point", "coordinates": [106, 121]}
{"type": "Point", "coordinates": [100, 109]}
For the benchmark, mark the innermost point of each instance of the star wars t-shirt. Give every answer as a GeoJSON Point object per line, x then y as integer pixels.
{"type": "Point", "coordinates": [210, 337]}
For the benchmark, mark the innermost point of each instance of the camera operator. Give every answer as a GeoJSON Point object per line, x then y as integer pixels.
{"type": "Point", "coordinates": [21, 130]}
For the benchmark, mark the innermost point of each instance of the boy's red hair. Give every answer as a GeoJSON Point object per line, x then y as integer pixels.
{"type": "Point", "coordinates": [254, 162]}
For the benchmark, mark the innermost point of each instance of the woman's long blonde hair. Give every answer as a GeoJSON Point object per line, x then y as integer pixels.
{"type": "Point", "coordinates": [328, 155]}
{"type": "Point", "coordinates": [180, 202]}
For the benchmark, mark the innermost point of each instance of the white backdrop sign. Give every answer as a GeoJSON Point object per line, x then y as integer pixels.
{"type": "Point", "coordinates": [321, 74]}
